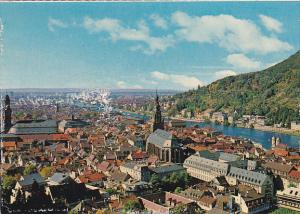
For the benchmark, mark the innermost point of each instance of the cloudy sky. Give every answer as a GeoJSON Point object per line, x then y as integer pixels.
{"type": "Point", "coordinates": [142, 45]}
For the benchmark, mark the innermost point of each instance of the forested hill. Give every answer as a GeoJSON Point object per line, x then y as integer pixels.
{"type": "Point", "coordinates": [274, 92]}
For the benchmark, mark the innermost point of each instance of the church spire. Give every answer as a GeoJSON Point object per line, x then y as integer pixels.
{"type": "Point", "coordinates": [7, 114]}
{"type": "Point", "coordinates": [158, 120]}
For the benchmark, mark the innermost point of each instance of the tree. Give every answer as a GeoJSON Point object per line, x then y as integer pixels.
{"type": "Point", "coordinates": [131, 205]}
{"type": "Point", "coordinates": [174, 178]}
{"type": "Point", "coordinates": [155, 181]}
{"type": "Point", "coordinates": [179, 209]}
{"type": "Point", "coordinates": [29, 169]}
{"type": "Point", "coordinates": [8, 182]}
{"type": "Point", "coordinates": [111, 191]}
{"type": "Point", "coordinates": [178, 189]}
{"type": "Point", "coordinates": [46, 171]}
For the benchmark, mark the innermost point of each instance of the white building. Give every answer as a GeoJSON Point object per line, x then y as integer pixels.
{"type": "Point", "coordinates": [204, 169]}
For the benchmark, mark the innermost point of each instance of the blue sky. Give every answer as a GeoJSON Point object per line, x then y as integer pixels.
{"type": "Point", "coordinates": [142, 45]}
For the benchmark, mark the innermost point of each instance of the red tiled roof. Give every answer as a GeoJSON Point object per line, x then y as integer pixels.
{"type": "Point", "coordinates": [294, 157]}
{"type": "Point", "coordinates": [9, 144]}
{"type": "Point", "coordinates": [60, 137]}
{"type": "Point", "coordinates": [94, 177]}
{"type": "Point", "coordinates": [103, 166]}
{"type": "Point", "coordinates": [280, 152]}
{"type": "Point", "coordinates": [295, 174]}
{"type": "Point", "coordinates": [139, 155]}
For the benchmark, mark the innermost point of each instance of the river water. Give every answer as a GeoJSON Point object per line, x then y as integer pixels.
{"type": "Point", "coordinates": [261, 137]}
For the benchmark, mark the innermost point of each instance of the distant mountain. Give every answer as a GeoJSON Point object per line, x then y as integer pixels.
{"type": "Point", "coordinates": [274, 92]}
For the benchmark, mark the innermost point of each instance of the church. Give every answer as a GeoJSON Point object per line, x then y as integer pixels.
{"type": "Point", "coordinates": [7, 115]}
{"type": "Point", "coordinates": [162, 143]}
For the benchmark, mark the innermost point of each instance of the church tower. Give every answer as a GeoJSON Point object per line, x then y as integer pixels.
{"type": "Point", "coordinates": [158, 120]}
{"type": "Point", "coordinates": [7, 114]}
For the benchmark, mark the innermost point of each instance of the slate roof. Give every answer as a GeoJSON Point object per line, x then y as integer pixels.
{"type": "Point", "coordinates": [58, 177]}
{"type": "Point", "coordinates": [247, 176]}
{"type": "Point", "coordinates": [161, 138]}
{"type": "Point", "coordinates": [34, 127]}
{"type": "Point", "coordinates": [209, 155]}
{"type": "Point", "coordinates": [167, 168]}
{"type": "Point", "coordinates": [76, 123]}
{"type": "Point", "coordinates": [35, 123]}
{"type": "Point", "coordinates": [221, 180]}
{"type": "Point", "coordinates": [205, 164]}
{"type": "Point", "coordinates": [228, 157]}
{"type": "Point", "coordinates": [29, 179]}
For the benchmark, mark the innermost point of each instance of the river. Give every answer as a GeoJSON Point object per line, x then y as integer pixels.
{"type": "Point", "coordinates": [262, 137]}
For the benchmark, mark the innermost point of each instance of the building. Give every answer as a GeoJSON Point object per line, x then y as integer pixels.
{"type": "Point", "coordinates": [72, 193]}
{"type": "Point", "coordinates": [29, 127]}
{"type": "Point", "coordinates": [289, 198]}
{"type": "Point", "coordinates": [137, 171]}
{"type": "Point", "coordinates": [208, 169]}
{"type": "Point", "coordinates": [25, 185]}
{"type": "Point", "coordinates": [58, 178]}
{"type": "Point", "coordinates": [165, 146]}
{"type": "Point", "coordinates": [204, 169]}
{"type": "Point", "coordinates": [166, 170]}
{"type": "Point", "coordinates": [262, 183]}
{"type": "Point", "coordinates": [177, 123]}
{"type": "Point", "coordinates": [73, 123]}
{"type": "Point", "coordinates": [279, 168]}
{"type": "Point", "coordinates": [165, 202]}
{"type": "Point", "coordinates": [158, 120]}
{"type": "Point", "coordinates": [250, 201]}
{"type": "Point", "coordinates": [295, 125]}
{"type": "Point", "coordinates": [219, 116]}
{"type": "Point", "coordinates": [7, 114]}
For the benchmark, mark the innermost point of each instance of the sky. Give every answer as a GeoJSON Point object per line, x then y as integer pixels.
{"type": "Point", "coordinates": [142, 45]}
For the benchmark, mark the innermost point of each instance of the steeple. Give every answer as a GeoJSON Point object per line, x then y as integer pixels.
{"type": "Point", "coordinates": [158, 120]}
{"type": "Point", "coordinates": [7, 114]}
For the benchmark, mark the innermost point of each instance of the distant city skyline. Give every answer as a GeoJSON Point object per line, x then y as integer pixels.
{"type": "Point", "coordinates": [142, 45]}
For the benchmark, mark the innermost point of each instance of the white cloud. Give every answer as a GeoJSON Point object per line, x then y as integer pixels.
{"type": "Point", "coordinates": [271, 24]}
{"type": "Point", "coordinates": [159, 21]}
{"type": "Point", "coordinates": [117, 31]}
{"type": "Point", "coordinates": [181, 80]}
{"type": "Point", "coordinates": [227, 32]}
{"type": "Point", "coordinates": [224, 73]}
{"type": "Point", "coordinates": [124, 85]}
{"type": "Point", "coordinates": [243, 63]}
{"type": "Point", "coordinates": [55, 23]}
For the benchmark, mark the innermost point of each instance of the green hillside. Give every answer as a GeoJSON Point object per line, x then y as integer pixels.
{"type": "Point", "coordinates": [274, 92]}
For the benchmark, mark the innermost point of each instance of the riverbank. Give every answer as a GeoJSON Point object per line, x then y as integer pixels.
{"type": "Point", "coordinates": [277, 130]}
{"type": "Point", "coordinates": [262, 137]}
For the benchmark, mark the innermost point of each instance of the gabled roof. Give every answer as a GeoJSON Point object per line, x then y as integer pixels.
{"type": "Point", "coordinates": [29, 179]}
{"type": "Point", "coordinates": [72, 192]}
{"type": "Point", "coordinates": [58, 177]}
{"type": "Point", "coordinates": [294, 174]}
{"type": "Point", "coordinates": [278, 166]}
{"type": "Point", "coordinates": [162, 138]}
{"type": "Point", "coordinates": [247, 176]}
{"type": "Point", "coordinates": [103, 166]}
{"type": "Point", "coordinates": [205, 164]}
{"type": "Point", "coordinates": [228, 157]}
